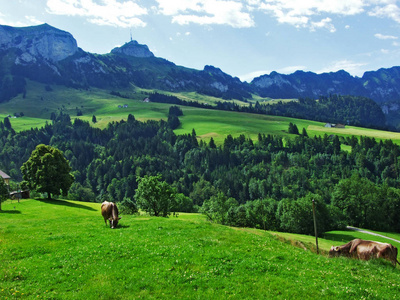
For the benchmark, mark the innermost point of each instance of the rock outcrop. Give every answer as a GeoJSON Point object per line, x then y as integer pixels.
{"type": "Point", "coordinates": [38, 42]}
{"type": "Point", "coordinates": [133, 48]}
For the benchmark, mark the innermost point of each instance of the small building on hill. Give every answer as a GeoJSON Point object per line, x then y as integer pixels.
{"type": "Point", "coordinates": [5, 177]}
{"type": "Point", "coordinates": [331, 125]}
{"type": "Point", "coordinates": [20, 194]}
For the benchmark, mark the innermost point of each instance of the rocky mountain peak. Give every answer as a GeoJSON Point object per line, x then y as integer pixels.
{"type": "Point", "coordinates": [133, 48]}
{"type": "Point", "coordinates": [34, 42]}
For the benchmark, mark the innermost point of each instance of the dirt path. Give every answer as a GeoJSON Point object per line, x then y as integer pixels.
{"type": "Point", "coordinates": [372, 233]}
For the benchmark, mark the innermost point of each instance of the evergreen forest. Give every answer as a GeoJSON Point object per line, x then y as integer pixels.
{"type": "Point", "coordinates": [269, 183]}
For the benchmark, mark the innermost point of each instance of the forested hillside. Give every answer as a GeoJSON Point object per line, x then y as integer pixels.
{"type": "Point", "coordinates": [348, 110]}
{"type": "Point", "coordinates": [227, 182]}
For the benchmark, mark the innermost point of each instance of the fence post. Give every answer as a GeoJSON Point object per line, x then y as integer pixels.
{"type": "Point", "coordinates": [315, 225]}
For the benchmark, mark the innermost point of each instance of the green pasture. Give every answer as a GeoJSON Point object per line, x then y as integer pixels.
{"type": "Point", "coordinates": [39, 103]}
{"type": "Point", "coordinates": [63, 250]}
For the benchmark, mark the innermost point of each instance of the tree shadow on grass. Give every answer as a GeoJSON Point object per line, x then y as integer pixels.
{"type": "Point", "coordinates": [122, 226]}
{"type": "Point", "coordinates": [65, 203]}
{"type": "Point", "coordinates": [11, 212]}
{"type": "Point", "coordinates": [340, 237]}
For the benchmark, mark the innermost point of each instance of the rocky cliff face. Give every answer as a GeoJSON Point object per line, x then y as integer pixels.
{"type": "Point", "coordinates": [38, 42]}
{"type": "Point", "coordinates": [133, 48]}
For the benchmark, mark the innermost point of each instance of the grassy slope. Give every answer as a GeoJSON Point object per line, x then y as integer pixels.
{"type": "Point", "coordinates": [39, 104]}
{"type": "Point", "coordinates": [62, 250]}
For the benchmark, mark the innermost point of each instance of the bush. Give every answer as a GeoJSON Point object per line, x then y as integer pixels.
{"type": "Point", "coordinates": [128, 206]}
{"type": "Point", "coordinates": [155, 197]}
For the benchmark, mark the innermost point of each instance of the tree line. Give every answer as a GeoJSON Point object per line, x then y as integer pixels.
{"type": "Point", "coordinates": [268, 183]}
{"type": "Point", "coordinates": [347, 110]}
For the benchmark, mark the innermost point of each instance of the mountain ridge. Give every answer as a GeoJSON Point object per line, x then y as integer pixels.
{"type": "Point", "coordinates": [49, 55]}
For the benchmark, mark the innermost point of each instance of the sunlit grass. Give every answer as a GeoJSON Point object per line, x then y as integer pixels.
{"type": "Point", "coordinates": [63, 250]}
{"type": "Point", "coordinates": [38, 105]}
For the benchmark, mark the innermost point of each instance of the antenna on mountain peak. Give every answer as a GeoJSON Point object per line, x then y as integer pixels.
{"type": "Point", "coordinates": [131, 34]}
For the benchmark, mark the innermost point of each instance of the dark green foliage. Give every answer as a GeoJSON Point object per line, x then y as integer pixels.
{"type": "Point", "coordinates": [293, 128]}
{"type": "Point", "coordinates": [154, 196]}
{"type": "Point", "coordinates": [11, 86]}
{"type": "Point", "coordinates": [212, 144]}
{"type": "Point", "coordinates": [94, 119]}
{"type": "Point", "coordinates": [81, 193]}
{"type": "Point", "coordinates": [131, 118]}
{"type": "Point", "coordinates": [47, 171]}
{"type": "Point", "coordinates": [297, 215]}
{"type": "Point", "coordinates": [7, 123]}
{"type": "Point", "coordinates": [364, 204]}
{"type": "Point", "coordinates": [175, 111]}
{"type": "Point", "coordinates": [109, 161]}
{"type": "Point", "coordinates": [4, 194]}
{"type": "Point", "coordinates": [220, 209]}
{"type": "Point", "coordinates": [173, 122]}
{"type": "Point", "coordinates": [128, 206]}
{"type": "Point", "coordinates": [183, 203]}
{"type": "Point", "coordinates": [347, 110]}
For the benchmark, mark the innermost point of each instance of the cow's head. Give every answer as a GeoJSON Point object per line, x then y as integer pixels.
{"type": "Point", "coordinates": [114, 223]}
{"type": "Point", "coordinates": [335, 251]}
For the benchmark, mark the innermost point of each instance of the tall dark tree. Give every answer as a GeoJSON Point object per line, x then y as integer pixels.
{"type": "Point", "coordinates": [7, 123]}
{"type": "Point", "coordinates": [212, 144]}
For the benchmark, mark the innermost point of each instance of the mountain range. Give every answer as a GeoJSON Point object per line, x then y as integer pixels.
{"type": "Point", "coordinates": [51, 56]}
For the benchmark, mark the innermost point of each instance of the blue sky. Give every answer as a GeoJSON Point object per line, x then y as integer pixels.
{"type": "Point", "coordinates": [244, 38]}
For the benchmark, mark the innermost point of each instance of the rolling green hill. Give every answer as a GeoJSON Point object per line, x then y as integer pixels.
{"type": "Point", "coordinates": [63, 250]}
{"type": "Point", "coordinates": [40, 102]}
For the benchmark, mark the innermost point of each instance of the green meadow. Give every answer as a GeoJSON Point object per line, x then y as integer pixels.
{"type": "Point", "coordinates": [63, 250]}
{"type": "Point", "coordinates": [39, 103]}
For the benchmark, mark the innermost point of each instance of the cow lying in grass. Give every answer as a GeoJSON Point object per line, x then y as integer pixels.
{"type": "Point", "coordinates": [109, 211]}
{"type": "Point", "coordinates": [366, 250]}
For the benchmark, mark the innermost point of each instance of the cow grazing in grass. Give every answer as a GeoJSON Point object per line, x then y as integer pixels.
{"type": "Point", "coordinates": [366, 250]}
{"type": "Point", "coordinates": [109, 211]}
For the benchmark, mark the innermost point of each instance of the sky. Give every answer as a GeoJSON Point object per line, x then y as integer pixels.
{"type": "Point", "coordinates": [244, 38]}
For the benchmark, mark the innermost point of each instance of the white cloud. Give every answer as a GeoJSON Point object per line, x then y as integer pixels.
{"type": "Point", "coordinates": [325, 23]}
{"type": "Point", "coordinates": [385, 51]}
{"type": "Point", "coordinates": [385, 37]}
{"type": "Point", "coordinates": [109, 12]}
{"type": "Point", "coordinates": [286, 70]}
{"type": "Point", "coordinates": [29, 21]}
{"type": "Point", "coordinates": [351, 67]}
{"type": "Point", "coordinates": [33, 21]}
{"type": "Point", "coordinates": [291, 69]}
{"type": "Point", "coordinates": [391, 11]}
{"type": "Point", "coordinates": [301, 13]}
{"type": "Point", "coordinates": [250, 76]}
{"type": "Point", "coordinates": [207, 12]}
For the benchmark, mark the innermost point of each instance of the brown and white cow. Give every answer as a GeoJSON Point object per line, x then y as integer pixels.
{"type": "Point", "coordinates": [109, 211]}
{"type": "Point", "coordinates": [366, 250]}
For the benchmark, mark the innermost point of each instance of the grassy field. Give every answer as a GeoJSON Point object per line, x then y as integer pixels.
{"type": "Point", "coordinates": [39, 104]}
{"type": "Point", "coordinates": [63, 250]}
